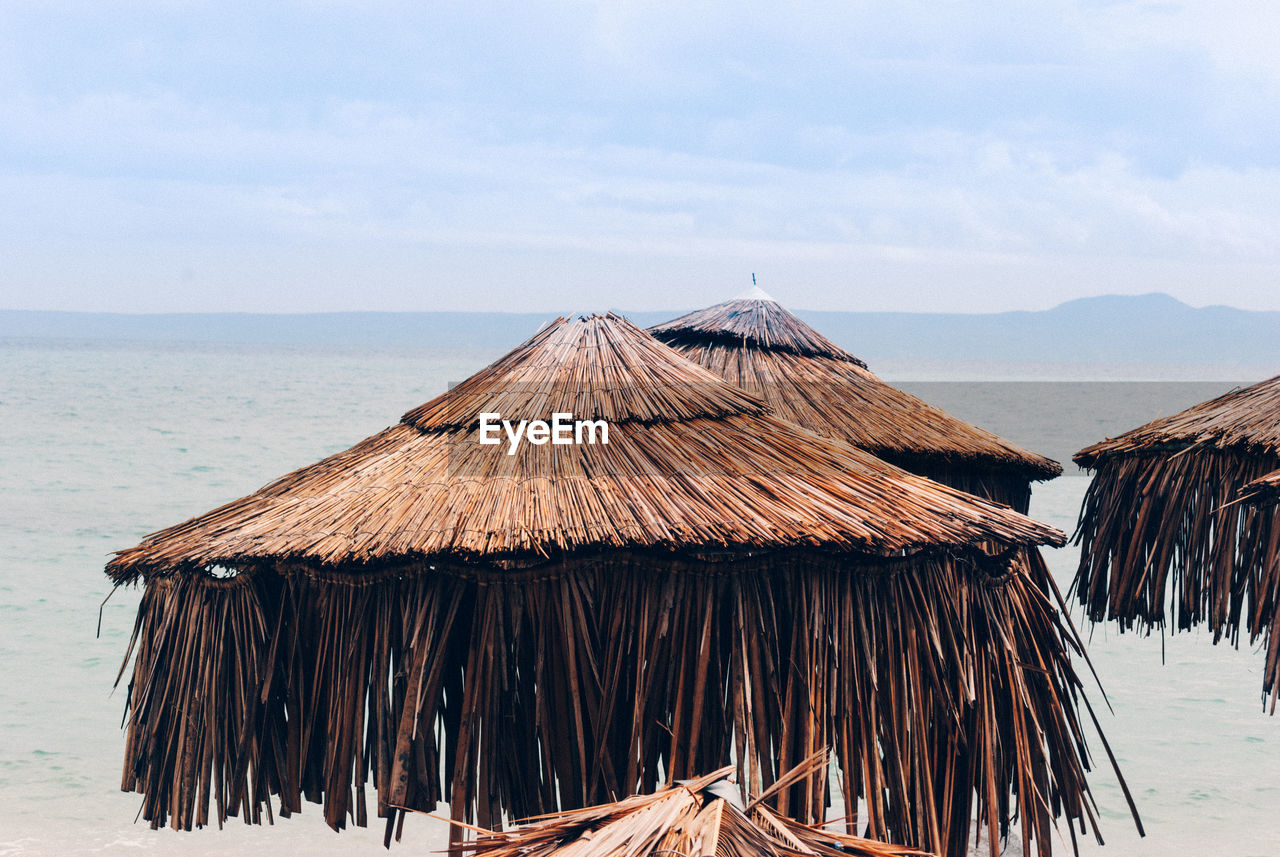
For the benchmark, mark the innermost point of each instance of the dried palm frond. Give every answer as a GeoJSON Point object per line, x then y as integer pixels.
{"type": "Point", "coordinates": [1262, 491]}
{"type": "Point", "coordinates": [700, 816]}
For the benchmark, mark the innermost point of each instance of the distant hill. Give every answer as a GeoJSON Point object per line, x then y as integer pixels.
{"type": "Point", "coordinates": [1114, 329]}
{"type": "Point", "coordinates": [1153, 328]}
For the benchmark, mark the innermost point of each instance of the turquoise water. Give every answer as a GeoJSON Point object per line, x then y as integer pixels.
{"type": "Point", "coordinates": [101, 444]}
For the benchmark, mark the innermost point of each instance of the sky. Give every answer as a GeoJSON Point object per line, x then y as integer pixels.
{"type": "Point", "coordinates": [330, 156]}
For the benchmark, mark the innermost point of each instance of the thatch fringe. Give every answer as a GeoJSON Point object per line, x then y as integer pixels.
{"type": "Point", "coordinates": [1164, 541]}
{"type": "Point", "coordinates": [1159, 532]}
{"type": "Point", "coordinates": [943, 684]}
{"type": "Point", "coordinates": [984, 704]}
{"type": "Point", "coordinates": [199, 645]}
{"type": "Point", "coordinates": [334, 663]}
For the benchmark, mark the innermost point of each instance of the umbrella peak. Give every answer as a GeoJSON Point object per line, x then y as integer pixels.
{"type": "Point", "coordinates": [595, 367]}
{"type": "Point", "coordinates": [755, 293]}
{"type": "Point", "coordinates": [753, 319]}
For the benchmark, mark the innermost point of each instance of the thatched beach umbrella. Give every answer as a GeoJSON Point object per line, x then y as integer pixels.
{"type": "Point", "coordinates": [1161, 528]}
{"type": "Point", "coordinates": [520, 627]}
{"type": "Point", "coordinates": [700, 816]}
{"type": "Point", "coordinates": [758, 345]}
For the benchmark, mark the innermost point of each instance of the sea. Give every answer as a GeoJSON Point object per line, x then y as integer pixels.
{"type": "Point", "coordinates": [104, 442]}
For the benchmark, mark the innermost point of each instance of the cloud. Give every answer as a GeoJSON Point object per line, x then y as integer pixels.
{"type": "Point", "coordinates": [1013, 159]}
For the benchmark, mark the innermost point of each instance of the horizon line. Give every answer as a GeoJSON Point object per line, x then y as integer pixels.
{"type": "Point", "coordinates": [561, 312]}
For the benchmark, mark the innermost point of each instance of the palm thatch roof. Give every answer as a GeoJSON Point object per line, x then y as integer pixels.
{"type": "Point", "coordinates": [691, 463]}
{"type": "Point", "coordinates": [700, 816]}
{"type": "Point", "coordinates": [1244, 420]}
{"type": "Point", "coordinates": [760, 346]}
{"type": "Point", "coordinates": [1163, 534]}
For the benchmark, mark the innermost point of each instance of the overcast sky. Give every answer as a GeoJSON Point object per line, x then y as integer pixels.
{"type": "Point", "coordinates": [169, 156]}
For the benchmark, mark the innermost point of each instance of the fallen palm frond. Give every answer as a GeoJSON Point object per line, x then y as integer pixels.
{"type": "Point", "coordinates": [517, 634]}
{"type": "Point", "coordinates": [695, 817]}
{"type": "Point", "coordinates": [1164, 536]}
{"type": "Point", "coordinates": [759, 346]}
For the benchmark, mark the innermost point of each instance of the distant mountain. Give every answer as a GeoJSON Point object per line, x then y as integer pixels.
{"type": "Point", "coordinates": [1152, 328]}
{"type": "Point", "coordinates": [1109, 329]}
{"type": "Point", "coordinates": [1113, 329]}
